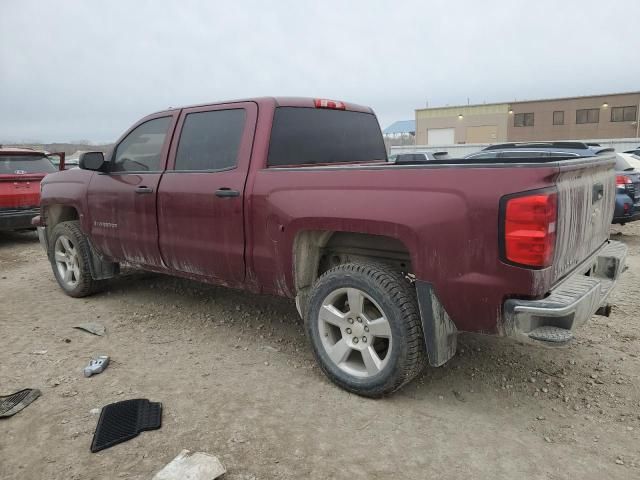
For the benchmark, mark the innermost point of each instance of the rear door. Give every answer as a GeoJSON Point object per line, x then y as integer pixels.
{"type": "Point", "coordinates": [122, 201]}
{"type": "Point", "coordinates": [200, 198]}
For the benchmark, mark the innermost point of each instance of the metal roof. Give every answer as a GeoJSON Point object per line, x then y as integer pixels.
{"type": "Point", "coordinates": [401, 126]}
{"type": "Point", "coordinates": [532, 100]}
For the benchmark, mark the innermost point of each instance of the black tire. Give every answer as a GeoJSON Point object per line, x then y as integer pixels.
{"type": "Point", "coordinates": [396, 299]}
{"type": "Point", "coordinates": [85, 284]}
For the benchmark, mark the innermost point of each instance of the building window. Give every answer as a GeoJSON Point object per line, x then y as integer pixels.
{"type": "Point", "coordinates": [558, 117]}
{"type": "Point", "coordinates": [588, 115]}
{"type": "Point", "coordinates": [523, 120]}
{"type": "Point", "coordinates": [624, 114]}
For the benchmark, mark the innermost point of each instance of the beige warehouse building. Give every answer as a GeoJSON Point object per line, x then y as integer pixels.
{"type": "Point", "coordinates": [589, 117]}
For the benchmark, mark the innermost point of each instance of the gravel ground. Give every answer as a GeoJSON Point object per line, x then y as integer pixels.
{"type": "Point", "coordinates": [237, 380]}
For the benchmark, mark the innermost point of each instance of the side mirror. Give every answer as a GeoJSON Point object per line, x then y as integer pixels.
{"type": "Point", "coordinates": [91, 161]}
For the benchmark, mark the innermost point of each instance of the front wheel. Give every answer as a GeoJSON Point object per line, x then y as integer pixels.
{"type": "Point", "coordinates": [70, 256]}
{"type": "Point", "coordinates": [365, 329]}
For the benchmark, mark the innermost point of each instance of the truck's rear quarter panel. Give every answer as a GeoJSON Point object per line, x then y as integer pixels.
{"type": "Point", "coordinates": [447, 216]}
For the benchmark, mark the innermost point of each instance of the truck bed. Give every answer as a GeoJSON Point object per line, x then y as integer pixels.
{"type": "Point", "coordinates": [445, 213]}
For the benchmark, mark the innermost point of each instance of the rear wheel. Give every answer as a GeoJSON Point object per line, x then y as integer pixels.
{"type": "Point", "coordinates": [365, 330]}
{"type": "Point", "coordinates": [70, 256]}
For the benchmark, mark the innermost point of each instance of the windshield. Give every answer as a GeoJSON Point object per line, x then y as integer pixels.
{"type": "Point", "coordinates": [21, 164]}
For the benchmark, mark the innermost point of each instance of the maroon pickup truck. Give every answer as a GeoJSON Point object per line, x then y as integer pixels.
{"type": "Point", "coordinates": [386, 262]}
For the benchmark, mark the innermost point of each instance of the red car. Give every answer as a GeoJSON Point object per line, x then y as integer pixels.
{"type": "Point", "coordinates": [21, 170]}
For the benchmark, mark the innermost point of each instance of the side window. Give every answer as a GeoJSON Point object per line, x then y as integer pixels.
{"type": "Point", "coordinates": [210, 140]}
{"type": "Point", "coordinates": [140, 150]}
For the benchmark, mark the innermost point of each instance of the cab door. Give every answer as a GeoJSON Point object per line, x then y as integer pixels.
{"type": "Point", "coordinates": [122, 200]}
{"type": "Point", "coordinates": [201, 195]}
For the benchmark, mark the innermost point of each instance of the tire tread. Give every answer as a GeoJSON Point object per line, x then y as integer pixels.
{"type": "Point", "coordinates": [87, 284]}
{"type": "Point", "coordinates": [402, 294]}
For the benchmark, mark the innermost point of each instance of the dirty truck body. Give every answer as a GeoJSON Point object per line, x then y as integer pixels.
{"type": "Point", "coordinates": [387, 263]}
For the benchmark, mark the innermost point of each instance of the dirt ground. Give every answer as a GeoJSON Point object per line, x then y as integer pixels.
{"type": "Point", "coordinates": [237, 380]}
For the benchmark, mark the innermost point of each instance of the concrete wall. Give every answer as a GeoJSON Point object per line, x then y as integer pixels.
{"type": "Point", "coordinates": [543, 128]}
{"type": "Point", "coordinates": [493, 118]}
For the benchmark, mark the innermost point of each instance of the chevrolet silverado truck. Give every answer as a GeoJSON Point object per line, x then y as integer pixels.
{"type": "Point", "coordinates": [387, 262]}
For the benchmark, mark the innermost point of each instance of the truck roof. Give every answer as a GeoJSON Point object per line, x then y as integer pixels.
{"type": "Point", "coordinates": [277, 102]}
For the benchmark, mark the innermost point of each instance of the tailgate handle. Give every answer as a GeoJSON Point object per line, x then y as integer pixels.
{"type": "Point", "coordinates": [597, 193]}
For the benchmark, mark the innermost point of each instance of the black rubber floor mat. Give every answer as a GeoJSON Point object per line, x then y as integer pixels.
{"type": "Point", "coordinates": [121, 421]}
{"type": "Point", "coordinates": [12, 404]}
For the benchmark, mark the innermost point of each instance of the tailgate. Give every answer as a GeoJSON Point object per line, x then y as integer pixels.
{"type": "Point", "coordinates": [586, 200]}
{"type": "Point", "coordinates": [19, 191]}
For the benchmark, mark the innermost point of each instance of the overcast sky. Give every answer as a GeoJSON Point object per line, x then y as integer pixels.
{"type": "Point", "coordinates": [73, 70]}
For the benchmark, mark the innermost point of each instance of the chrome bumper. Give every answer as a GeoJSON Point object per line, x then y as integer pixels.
{"type": "Point", "coordinates": [571, 303]}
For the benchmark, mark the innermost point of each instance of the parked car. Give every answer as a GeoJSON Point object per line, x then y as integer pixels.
{"type": "Point", "coordinates": [628, 190]}
{"type": "Point", "coordinates": [624, 210]}
{"type": "Point", "coordinates": [536, 150]}
{"type": "Point", "coordinates": [411, 158]}
{"type": "Point", "coordinates": [387, 263]}
{"type": "Point", "coordinates": [633, 159]}
{"type": "Point", "coordinates": [635, 151]}
{"type": "Point", "coordinates": [21, 170]}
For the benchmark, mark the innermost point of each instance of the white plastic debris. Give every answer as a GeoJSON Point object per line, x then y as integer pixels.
{"type": "Point", "coordinates": [96, 365]}
{"type": "Point", "coordinates": [190, 465]}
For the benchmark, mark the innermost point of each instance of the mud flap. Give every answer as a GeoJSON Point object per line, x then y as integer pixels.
{"type": "Point", "coordinates": [101, 269]}
{"type": "Point", "coordinates": [440, 333]}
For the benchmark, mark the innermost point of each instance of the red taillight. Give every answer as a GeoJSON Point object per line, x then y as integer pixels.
{"type": "Point", "coordinates": [622, 180]}
{"type": "Point", "coordinates": [324, 103]}
{"type": "Point", "coordinates": [530, 229]}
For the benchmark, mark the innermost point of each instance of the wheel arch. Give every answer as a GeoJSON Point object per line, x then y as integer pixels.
{"type": "Point", "coordinates": [316, 251]}
{"type": "Point", "coordinates": [57, 213]}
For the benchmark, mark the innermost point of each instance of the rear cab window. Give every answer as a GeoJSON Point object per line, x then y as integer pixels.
{"type": "Point", "coordinates": [21, 164]}
{"type": "Point", "coordinates": [317, 136]}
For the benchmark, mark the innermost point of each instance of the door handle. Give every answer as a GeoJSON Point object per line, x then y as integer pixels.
{"type": "Point", "coordinates": [226, 192]}
{"type": "Point", "coordinates": [143, 189]}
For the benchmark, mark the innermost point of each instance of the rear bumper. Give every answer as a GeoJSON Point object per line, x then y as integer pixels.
{"type": "Point", "coordinates": [632, 217]}
{"type": "Point", "coordinates": [17, 219]}
{"type": "Point", "coordinates": [569, 304]}
{"type": "Point", "coordinates": [627, 219]}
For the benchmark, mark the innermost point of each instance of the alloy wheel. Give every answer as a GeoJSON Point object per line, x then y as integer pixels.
{"type": "Point", "coordinates": [355, 332]}
{"type": "Point", "coordinates": [66, 258]}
